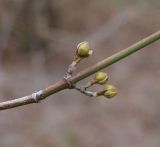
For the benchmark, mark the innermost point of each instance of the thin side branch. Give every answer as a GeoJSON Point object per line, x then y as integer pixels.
{"type": "Point", "coordinates": [63, 84]}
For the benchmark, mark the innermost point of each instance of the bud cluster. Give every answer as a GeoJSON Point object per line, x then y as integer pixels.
{"type": "Point", "coordinates": [83, 51]}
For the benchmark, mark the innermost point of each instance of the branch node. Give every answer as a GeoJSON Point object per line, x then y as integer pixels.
{"type": "Point", "coordinates": [36, 96]}
{"type": "Point", "coordinates": [68, 79]}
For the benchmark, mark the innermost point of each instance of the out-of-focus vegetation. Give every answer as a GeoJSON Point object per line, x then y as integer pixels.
{"type": "Point", "coordinates": [37, 42]}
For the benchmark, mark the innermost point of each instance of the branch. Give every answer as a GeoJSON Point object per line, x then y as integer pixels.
{"type": "Point", "coordinates": [63, 84]}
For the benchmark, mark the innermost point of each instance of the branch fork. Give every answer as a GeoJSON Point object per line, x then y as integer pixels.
{"type": "Point", "coordinates": [100, 78]}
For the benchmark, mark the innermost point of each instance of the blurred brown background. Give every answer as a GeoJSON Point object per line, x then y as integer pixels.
{"type": "Point", "coordinates": [37, 41]}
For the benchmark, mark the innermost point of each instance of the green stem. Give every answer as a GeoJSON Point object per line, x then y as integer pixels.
{"type": "Point", "coordinates": [116, 57]}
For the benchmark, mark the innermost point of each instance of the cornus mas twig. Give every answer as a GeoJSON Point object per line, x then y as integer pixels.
{"type": "Point", "coordinates": [63, 84]}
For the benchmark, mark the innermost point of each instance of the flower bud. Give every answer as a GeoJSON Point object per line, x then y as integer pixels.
{"type": "Point", "coordinates": [110, 91]}
{"type": "Point", "coordinates": [101, 77]}
{"type": "Point", "coordinates": [83, 49]}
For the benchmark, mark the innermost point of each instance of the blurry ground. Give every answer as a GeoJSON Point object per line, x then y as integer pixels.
{"type": "Point", "coordinates": [37, 41]}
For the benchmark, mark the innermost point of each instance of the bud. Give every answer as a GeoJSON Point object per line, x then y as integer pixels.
{"type": "Point", "coordinates": [83, 49]}
{"type": "Point", "coordinates": [101, 77]}
{"type": "Point", "coordinates": [110, 91]}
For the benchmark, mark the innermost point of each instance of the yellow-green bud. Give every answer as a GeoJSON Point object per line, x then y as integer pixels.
{"type": "Point", "coordinates": [110, 91]}
{"type": "Point", "coordinates": [101, 77]}
{"type": "Point", "coordinates": [83, 49]}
